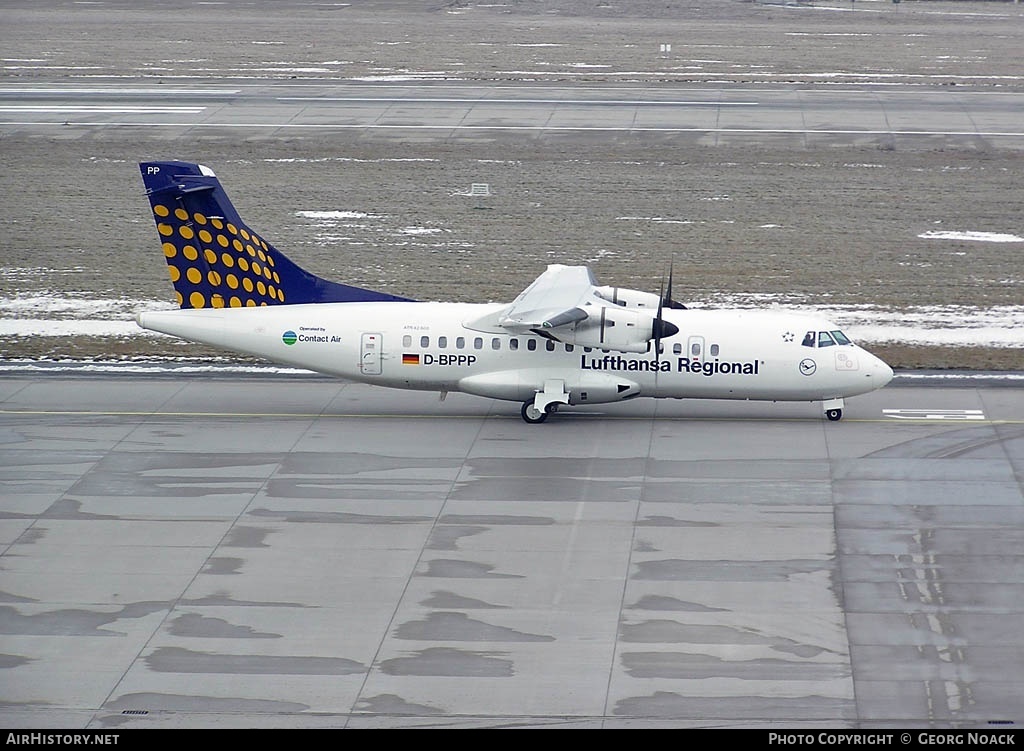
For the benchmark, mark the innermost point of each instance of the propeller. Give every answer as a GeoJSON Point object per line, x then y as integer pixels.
{"type": "Point", "coordinates": [660, 328]}
{"type": "Point", "coordinates": [667, 300]}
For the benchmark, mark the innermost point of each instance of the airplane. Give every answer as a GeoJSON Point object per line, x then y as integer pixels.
{"type": "Point", "coordinates": [565, 340]}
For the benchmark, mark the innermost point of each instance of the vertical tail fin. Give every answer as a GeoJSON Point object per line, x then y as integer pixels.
{"type": "Point", "coordinates": [215, 260]}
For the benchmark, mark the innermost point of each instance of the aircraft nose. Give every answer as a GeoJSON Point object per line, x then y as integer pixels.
{"type": "Point", "coordinates": [880, 372]}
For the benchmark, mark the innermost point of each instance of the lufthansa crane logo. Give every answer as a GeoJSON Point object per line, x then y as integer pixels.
{"type": "Point", "coordinates": [808, 366]}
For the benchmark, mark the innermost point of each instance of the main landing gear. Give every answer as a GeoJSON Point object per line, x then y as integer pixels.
{"type": "Point", "coordinates": [536, 416]}
{"type": "Point", "coordinates": [545, 402]}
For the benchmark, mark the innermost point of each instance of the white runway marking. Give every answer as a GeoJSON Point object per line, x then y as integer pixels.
{"type": "Point", "coordinates": [450, 100]}
{"type": "Point", "coordinates": [934, 414]}
{"type": "Point", "coordinates": [99, 109]}
{"type": "Point", "coordinates": [551, 128]}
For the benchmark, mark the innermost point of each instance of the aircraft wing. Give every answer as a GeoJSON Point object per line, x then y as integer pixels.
{"type": "Point", "coordinates": [555, 298]}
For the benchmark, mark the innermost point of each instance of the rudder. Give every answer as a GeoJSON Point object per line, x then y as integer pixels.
{"type": "Point", "coordinates": [215, 259]}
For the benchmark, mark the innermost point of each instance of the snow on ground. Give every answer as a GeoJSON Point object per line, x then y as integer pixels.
{"type": "Point", "coordinates": [991, 237]}
{"type": "Point", "coordinates": [948, 325]}
{"type": "Point", "coordinates": [55, 314]}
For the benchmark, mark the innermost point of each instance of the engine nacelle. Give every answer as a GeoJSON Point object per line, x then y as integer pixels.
{"type": "Point", "coordinates": [611, 327]}
{"type": "Point", "coordinates": [628, 298]}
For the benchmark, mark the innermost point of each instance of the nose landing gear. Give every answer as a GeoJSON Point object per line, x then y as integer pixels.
{"type": "Point", "coordinates": [833, 409]}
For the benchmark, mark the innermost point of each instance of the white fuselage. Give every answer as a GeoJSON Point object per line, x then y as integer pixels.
{"type": "Point", "coordinates": [717, 354]}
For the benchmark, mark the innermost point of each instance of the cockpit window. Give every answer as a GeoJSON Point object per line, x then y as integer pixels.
{"type": "Point", "coordinates": [825, 338]}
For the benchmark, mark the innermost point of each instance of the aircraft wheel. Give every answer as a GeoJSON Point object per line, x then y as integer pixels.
{"type": "Point", "coordinates": [533, 415]}
{"type": "Point", "coordinates": [834, 414]}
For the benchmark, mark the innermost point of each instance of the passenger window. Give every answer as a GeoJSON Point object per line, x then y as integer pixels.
{"type": "Point", "coordinates": [407, 340]}
{"type": "Point", "coordinates": [531, 344]}
{"type": "Point", "coordinates": [478, 343]}
{"type": "Point", "coordinates": [424, 341]}
{"type": "Point", "coordinates": [513, 344]}
{"type": "Point", "coordinates": [550, 345]}
{"type": "Point", "coordinates": [695, 349]}
{"type": "Point", "coordinates": [588, 349]}
{"type": "Point", "coordinates": [808, 339]}
{"type": "Point", "coordinates": [677, 349]}
{"type": "Point", "coordinates": [569, 348]}
{"type": "Point", "coordinates": [714, 350]}
{"type": "Point", "coordinates": [442, 342]}
{"type": "Point", "coordinates": [841, 338]}
{"type": "Point", "coordinates": [460, 342]}
{"type": "Point", "coordinates": [825, 339]}
{"type": "Point", "coordinates": [495, 343]}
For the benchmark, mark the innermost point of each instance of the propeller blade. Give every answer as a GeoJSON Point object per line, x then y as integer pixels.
{"type": "Point", "coordinates": [660, 328]}
{"type": "Point", "coordinates": [667, 300]}
{"type": "Point", "coordinates": [656, 326]}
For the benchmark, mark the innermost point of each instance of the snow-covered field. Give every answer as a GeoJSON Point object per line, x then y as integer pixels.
{"type": "Point", "coordinates": [903, 250]}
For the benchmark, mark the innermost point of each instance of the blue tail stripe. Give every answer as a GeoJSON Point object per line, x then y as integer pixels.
{"type": "Point", "coordinates": [216, 260]}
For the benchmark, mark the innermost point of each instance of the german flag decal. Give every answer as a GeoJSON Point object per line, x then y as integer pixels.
{"type": "Point", "coordinates": [410, 359]}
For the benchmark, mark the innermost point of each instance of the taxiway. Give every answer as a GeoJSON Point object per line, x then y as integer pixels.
{"type": "Point", "coordinates": [292, 551]}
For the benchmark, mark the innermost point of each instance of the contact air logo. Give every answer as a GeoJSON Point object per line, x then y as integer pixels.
{"type": "Point", "coordinates": [289, 338]}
